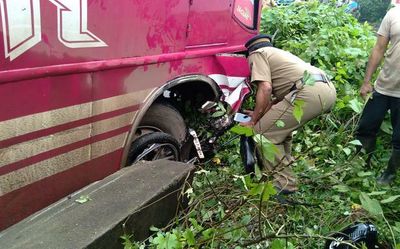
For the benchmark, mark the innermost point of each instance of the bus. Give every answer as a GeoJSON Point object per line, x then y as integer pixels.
{"type": "Point", "coordinates": [82, 81]}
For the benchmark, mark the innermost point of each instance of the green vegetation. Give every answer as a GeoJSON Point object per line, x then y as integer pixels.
{"type": "Point", "coordinates": [228, 209]}
{"type": "Point", "coordinates": [373, 10]}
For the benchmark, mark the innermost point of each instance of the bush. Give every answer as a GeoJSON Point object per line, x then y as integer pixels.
{"type": "Point", "coordinates": [323, 36]}
{"type": "Point", "coordinates": [373, 11]}
{"type": "Point", "coordinates": [329, 39]}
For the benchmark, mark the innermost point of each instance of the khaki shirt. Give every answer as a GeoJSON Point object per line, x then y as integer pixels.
{"type": "Point", "coordinates": [388, 82]}
{"type": "Point", "coordinates": [268, 4]}
{"type": "Point", "coordinates": [278, 67]}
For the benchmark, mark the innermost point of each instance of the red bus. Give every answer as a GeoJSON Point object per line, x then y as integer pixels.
{"type": "Point", "coordinates": [82, 80]}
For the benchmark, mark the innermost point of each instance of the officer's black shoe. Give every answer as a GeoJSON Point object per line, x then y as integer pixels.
{"type": "Point", "coordinates": [386, 178]}
{"type": "Point", "coordinates": [247, 153]}
{"type": "Point", "coordinates": [389, 174]}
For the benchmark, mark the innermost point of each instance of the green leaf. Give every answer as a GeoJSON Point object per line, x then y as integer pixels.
{"type": "Point", "coordinates": [154, 229]}
{"type": "Point", "coordinates": [377, 193]}
{"type": "Point", "coordinates": [356, 105]}
{"type": "Point", "coordinates": [298, 109]}
{"type": "Point", "coordinates": [364, 174]}
{"type": "Point", "coordinates": [246, 219]}
{"type": "Point", "coordinates": [353, 51]}
{"type": "Point", "coordinates": [248, 182]}
{"type": "Point", "coordinates": [242, 130]}
{"type": "Point", "coordinates": [83, 199]}
{"type": "Point", "coordinates": [172, 241]}
{"type": "Point", "coordinates": [371, 205]}
{"type": "Point", "coordinates": [347, 151]}
{"type": "Point", "coordinates": [127, 241]}
{"type": "Point", "coordinates": [221, 107]}
{"type": "Point", "coordinates": [341, 188]}
{"type": "Point", "coordinates": [195, 224]}
{"type": "Point", "coordinates": [386, 127]}
{"type": "Point", "coordinates": [218, 114]}
{"type": "Point", "coordinates": [269, 190]}
{"type": "Point", "coordinates": [277, 244]}
{"type": "Point", "coordinates": [257, 171]}
{"type": "Point", "coordinates": [208, 233]}
{"type": "Point", "coordinates": [308, 79]}
{"type": "Point", "coordinates": [355, 142]}
{"type": "Point", "coordinates": [269, 149]}
{"type": "Point", "coordinates": [340, 104]}
{"type": "Point", "coordinates": [396, 227]}
{"type": "Point", "coordinates": [160, 241]}
{"type": "Point", "coordinates": [207, 215]}
{"type": "Point", "coordinates": [256, 190]}
{"type": "Point", "coordinates": [309, 231]}
{"type": "Point", "coordinates": [189, 236]}
{"type": "Point", "coordinates": [390, 199]}
{"type": "Point", "coordinates": [228, 236]}
{"type": "Point", "coordinates": [280, 124]}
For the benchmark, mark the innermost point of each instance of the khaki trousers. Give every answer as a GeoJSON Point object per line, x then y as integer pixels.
{"type": "Point", "coordinates": [318, 99]}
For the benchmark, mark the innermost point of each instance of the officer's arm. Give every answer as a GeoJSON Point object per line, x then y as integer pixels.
{"type": "Point", "coordinates": [263, 100]}
{"type": "Point", "coordinates": [376, 56]}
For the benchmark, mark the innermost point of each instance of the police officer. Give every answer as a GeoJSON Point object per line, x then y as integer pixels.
{"type": "Point", "coordinates": [278, 76]}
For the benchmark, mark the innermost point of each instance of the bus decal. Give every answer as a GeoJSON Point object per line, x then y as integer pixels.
{"type": "Point", "coordinates": [21, 26]}
{"type": "Point", "coordinates": [72, 25]}
{"type": "Point", "coordinates": [21, 21]}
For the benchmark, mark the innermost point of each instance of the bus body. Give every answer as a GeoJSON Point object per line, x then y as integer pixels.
{"type": "Point", "coordinates": [77, 77]}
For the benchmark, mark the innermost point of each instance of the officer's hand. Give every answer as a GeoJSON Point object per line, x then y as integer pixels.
{"type": "Point", "coordinates": [366, 88]}
{"type": "Point", "coordinates": [247, 124]}
{"type": "Point", "coordinates": [248, 112]}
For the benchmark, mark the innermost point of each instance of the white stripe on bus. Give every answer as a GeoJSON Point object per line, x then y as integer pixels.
{"type": "Point", "coordinates": [30, 148]}
{"type": "Point", "coordinates": [38, 171]}
{"type": "Point", "coordinates": [39, 121]}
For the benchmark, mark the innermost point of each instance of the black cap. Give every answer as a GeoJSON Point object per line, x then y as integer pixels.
{"type": "Point", "coordinates": [254, 39]}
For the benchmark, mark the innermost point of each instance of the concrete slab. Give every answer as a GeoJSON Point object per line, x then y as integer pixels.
{"type": "Point", "coordinates": [129, 201]}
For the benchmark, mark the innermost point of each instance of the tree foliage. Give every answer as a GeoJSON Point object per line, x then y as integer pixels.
{"type": "Point", "coordinates": [325, 36]}
{"type": "Point", "coordinates": [329, 39]}
{"type": "Point", "coordinates": [373, 10]}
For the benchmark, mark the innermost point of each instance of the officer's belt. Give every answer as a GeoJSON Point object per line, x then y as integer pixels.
{"type": "Point", "coordinates": [317, 77]}
{"type": "Point", "coordinates": [320, 78]}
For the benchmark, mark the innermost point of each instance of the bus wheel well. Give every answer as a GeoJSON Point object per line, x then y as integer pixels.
{"type": "Point", "coordinates": [171, 113]}
{"type": "Point", "coordinates": [195, 92]}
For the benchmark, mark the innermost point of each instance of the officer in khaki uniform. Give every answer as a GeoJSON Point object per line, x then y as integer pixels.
{"type": "Point", "coordinates": [278, 75]}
